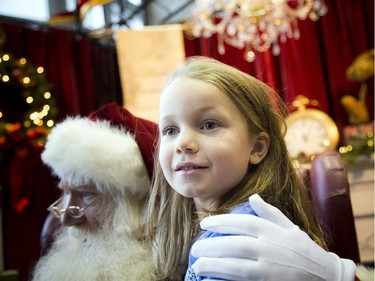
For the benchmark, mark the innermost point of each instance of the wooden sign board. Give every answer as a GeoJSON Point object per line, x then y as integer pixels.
{"type": "Point", "coordinates": [146, 57]}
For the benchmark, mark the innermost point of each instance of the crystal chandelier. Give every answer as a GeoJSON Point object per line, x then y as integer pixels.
{"type": "Point", "coordinates": [252, 25]}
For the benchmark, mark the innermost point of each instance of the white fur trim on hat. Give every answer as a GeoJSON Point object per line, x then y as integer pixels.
{"type": "Point", "coordinates": [82, 151]}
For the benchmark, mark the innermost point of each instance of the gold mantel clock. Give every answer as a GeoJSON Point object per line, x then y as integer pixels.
{"type": "Point", "coordinates": [309, 131]}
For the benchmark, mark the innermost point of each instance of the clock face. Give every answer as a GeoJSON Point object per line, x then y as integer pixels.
{"type": "Point", "coordinates": [310, 132]}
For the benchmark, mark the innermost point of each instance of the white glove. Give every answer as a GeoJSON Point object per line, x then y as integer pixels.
{"type": "Point", "coordinates": [268, 247]}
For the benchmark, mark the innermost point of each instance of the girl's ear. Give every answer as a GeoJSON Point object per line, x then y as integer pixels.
{"type": "Point", "coordinates": [260, 148]}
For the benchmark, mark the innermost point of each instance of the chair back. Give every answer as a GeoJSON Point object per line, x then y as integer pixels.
{"type": "Point", "coordinates": [331, 196]}
{"type": "Point", "coordinates": [50, 229]}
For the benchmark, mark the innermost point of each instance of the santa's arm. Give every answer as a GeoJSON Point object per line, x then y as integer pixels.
{"type": "Point", "coordinates": [267, 247]}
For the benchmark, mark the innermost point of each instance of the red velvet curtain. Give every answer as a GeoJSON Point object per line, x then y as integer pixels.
{"type": "Point", "coordinates": [314, 65]}
{"type": "Point", "coordinates": [27, 189]}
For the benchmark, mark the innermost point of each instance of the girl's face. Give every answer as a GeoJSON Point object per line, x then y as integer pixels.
{"type": "Point", "coordinates": [205, 146]}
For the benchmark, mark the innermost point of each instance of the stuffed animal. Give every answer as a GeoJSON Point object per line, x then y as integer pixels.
{"type": "Point", "coordinates": [361, 69]}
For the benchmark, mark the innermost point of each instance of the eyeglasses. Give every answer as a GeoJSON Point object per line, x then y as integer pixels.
{"type": "Point", "coordinates": [73, 211]}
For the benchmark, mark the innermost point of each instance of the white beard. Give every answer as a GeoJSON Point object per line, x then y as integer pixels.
{"type": "Point", "coordinates": [95, 257]}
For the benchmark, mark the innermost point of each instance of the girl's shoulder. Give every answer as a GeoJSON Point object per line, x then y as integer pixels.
{"type": "Point", "coordinates": [243, 208]}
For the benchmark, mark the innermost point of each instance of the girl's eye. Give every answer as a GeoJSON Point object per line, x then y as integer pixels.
{"type": "Point", "coordinates": [209, 125]}
{"type": "Point", "coordinates": [169, 131]}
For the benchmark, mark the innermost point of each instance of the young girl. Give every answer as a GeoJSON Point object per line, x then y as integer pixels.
{"type": "Point", "coordinates": [221, 140]}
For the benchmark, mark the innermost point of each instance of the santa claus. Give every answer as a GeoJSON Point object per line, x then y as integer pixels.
{"type": "Point", "coordinates": [104, 165]}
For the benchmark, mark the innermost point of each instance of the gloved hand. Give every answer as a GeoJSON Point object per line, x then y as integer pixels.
{"type": "Point", "coordinates": [267, 247]}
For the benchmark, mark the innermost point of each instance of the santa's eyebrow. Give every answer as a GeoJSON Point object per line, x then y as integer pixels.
{"type": "Point", "coordinates": [89, 187]}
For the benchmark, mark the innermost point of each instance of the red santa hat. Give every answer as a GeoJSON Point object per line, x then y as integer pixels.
{"type": "Point", "coordinates": [110, 148]}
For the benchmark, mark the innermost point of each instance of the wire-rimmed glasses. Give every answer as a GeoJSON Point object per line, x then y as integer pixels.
{"type": "Point", "coordinates": [73, 211]}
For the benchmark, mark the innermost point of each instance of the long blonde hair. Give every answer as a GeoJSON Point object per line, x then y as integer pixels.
{"type": "Point", "coordinates": [173, 219]}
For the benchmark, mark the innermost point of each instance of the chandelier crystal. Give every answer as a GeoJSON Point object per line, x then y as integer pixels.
{"type": "Point", "coordinates": [253, 25]}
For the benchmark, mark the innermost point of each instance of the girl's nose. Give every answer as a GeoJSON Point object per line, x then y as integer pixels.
{"type": "Point", "coordinates": [186, 142]}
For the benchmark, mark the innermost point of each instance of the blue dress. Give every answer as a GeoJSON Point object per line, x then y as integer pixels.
{"type": "Point", "coordinates": [243, 208]}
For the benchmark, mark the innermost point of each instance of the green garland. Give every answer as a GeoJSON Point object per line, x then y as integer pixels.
{"type": "Point", "coordinates": [360, 148]}
{"type": "Point", "coordinates": [26, 102]}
